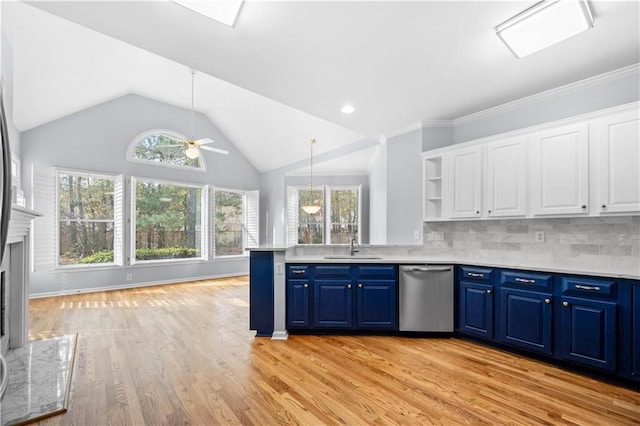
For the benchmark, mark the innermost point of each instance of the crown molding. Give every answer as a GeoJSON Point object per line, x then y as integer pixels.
{"type": "Point", "coordinates": [552, 93]}
{"type": "Point", "coordinates": [402, 130]}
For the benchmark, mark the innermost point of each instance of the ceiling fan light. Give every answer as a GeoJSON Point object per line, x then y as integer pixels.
{"type": "Point", "coordinates": [192, 152]}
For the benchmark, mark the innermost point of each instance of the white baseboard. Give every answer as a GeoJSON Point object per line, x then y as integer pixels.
{"type": "Point", "coordinates": [128, 286]}
{"type": "Point", "coordinates": [280, 335]}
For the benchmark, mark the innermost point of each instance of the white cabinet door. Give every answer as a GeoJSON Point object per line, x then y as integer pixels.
{"type": "Point", "coordinates": [560, 175]}
{"type": "Point", "coordinates": [618, 138]}
{"type": "Point", "coordinates": [464, 176]}
{"type": "Point", "coordinates": [506, 178]}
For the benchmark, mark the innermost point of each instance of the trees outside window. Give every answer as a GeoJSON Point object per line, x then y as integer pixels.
{"type": "Point", "coordinates": [163, 147]}
{"type": "Point", "coordinates": [339, 210]}
{"type": "Point", "coordinates": [229, 223]}
{"type": "Point", "coordinates": [168, 220]}
{"type": "Point", "coordinates": [87, 218]}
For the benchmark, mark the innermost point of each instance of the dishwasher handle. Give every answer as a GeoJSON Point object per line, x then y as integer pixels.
{"type": "Point", "coordinates": [428, 269]}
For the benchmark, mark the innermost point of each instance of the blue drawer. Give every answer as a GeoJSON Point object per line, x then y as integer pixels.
{"type": "Point", "coordinates": [588, 287]}
{"type": "Point", "coordinates": [526, 280]}
{"type": "Point", "coordinates": [476, 274]}
{"type": "Point", "coordinates": [298, 271]}
{"type": "Point", "coordinates": [378, 272]}
{"type": "Point", "coordinates": [333, 271]}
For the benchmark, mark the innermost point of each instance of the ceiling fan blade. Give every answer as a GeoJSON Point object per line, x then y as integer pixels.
{"type": "Point", "coordinates": [218, 150]}
{"type": "Point", "coordinates": [204, 141]}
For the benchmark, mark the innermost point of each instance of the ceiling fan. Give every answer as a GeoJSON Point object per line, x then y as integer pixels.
{"type": "Point", "coordinates": [192, 145]}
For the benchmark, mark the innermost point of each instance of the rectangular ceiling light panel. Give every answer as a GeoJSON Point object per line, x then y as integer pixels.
{"type": "Point", "coordinates": [545, 24]}
{"type": "Point", "coordinates": [224, 11]}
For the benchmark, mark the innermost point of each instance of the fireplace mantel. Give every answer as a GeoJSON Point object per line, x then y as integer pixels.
{"type": "Point", "coordinates": [20, 223]}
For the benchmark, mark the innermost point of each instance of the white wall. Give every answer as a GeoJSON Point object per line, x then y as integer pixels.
{"type": "Point", "coordinates": [378, 196]}
{"type": "Point", "coordinates": [96, 139]}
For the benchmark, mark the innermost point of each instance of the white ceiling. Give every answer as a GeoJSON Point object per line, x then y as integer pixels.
{"type": "Point", "coordinates": [281, 75]}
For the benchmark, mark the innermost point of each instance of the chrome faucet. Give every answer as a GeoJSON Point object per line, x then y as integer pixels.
{"type": "Point", "coordinates": [354, 247]}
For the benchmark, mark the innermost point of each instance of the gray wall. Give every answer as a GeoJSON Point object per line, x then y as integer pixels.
{"type": "Point", "coordinates": [96, 139]}
{"type": "Point", "coordinates": [378, 196]}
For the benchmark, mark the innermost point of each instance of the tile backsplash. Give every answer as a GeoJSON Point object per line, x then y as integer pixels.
{"type": "Point", "coordinates": [590, 243]}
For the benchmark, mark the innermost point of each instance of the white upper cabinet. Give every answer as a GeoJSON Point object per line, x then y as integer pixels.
{"type": "Point", "coordinates": [464, 179]}
{"type": "Point", "coordinates": [560, 170]}
{"type": "Point", "coordinates": [506, 178]}
{"type": "Point", "coordinates": [618, 137]}
{"type": "Point", "coordinates": [432, 183]}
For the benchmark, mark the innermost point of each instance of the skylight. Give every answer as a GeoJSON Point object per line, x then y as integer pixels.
{"type": "Point", "coordinates": [545, 24]}
{"type": "Point", "coordinates": [223, 11]}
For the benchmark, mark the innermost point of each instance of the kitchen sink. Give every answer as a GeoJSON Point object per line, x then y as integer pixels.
{"type": "Point", "coordinates": [357, 256]}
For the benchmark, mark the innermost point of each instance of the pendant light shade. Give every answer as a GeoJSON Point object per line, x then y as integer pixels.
{"type": "Point", "coordinates": [310, 207]}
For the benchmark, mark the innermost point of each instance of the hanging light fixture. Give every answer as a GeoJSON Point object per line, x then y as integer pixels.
{"type": "Point", "coordinates": [311, 207]}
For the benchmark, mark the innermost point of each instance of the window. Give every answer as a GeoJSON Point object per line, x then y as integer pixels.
{"type": "Point", "coordinates": [168, 220]}
{"type": "Point", "coordinates": [89, 219]}
{"type": "Point", "coordinates": [236, 222]}
{"type": "Point", "coordinates": [163, 147]}
{"type": "Point", "coordinates": [340, 210]}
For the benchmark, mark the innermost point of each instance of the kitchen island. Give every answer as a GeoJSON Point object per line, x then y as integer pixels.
{"type": "Point", "coordinates": [585, 318]}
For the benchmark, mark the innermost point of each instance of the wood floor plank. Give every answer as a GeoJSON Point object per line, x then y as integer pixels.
{"type": "Point", "coordinates": [183, 354]}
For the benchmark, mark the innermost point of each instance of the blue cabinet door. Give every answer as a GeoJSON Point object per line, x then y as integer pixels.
{"type": "Point", "coordinates": [526, 319]}
{"type": "Point", "coordinates": [261, 292]}
{"type": "Point", "coordinates": [333, 304]}
{"type": "Point", "coordinates": [636, 332]}
{"type": "Point", "coordinates": [298, 303]}
{"type": "Point", "coordinates": [588, 332]}
{"type": "Point", "coordinates": [475, 311]}
{"type": "Point", "coordinates": [377, 304]}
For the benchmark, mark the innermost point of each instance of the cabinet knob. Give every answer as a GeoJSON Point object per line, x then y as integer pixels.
{"type": "Point", "coordinates": [306, 285]}
{"type": "Point", "coordinates": [547, 301]}
{"type": "Point", "coordinates": [604, 206]}
{"type": "Point", "coordinates": [489, 211]}
{"type": "Point", "coordinates": [488, 291]}
{"type": "Point", "coordinates": [348, 285]}
{"type": "Point", "coordinates": [478, 211]}
{"type": "Point", "coordinates": [565, 303]}
{"type": "Point", "coordinates": [360, 285]}
{"type": "Point", "coordinates": [584, 206]}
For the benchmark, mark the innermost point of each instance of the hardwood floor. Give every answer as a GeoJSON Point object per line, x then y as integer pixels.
{"type": "Point", "coordinates": [183, 354]}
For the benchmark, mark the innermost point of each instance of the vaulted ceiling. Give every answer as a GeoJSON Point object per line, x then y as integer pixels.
{"type": "Point", "coordinates": [281, 75]}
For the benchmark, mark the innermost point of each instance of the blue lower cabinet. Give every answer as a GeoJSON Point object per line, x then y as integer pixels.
{"type": "Point", "coordinates": [635, 327]}
{"type": "Point", "coordinates": [333, 304]}
{"type": "Point", "coordinates": [588, 332]}
{"type": "Point", "coordinates": [526, 320]}
{"type": "Point", "coordinates": [298, 303]}
{"type": "Point", "coordinates": [261, 292]}
{"type": "Point", "coordinates": [475, 311]}
{"type": "Point", "coordinates": [377, 304]}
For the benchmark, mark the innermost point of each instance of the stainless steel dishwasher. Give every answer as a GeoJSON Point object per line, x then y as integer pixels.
{"type": "Point", "coordinates": [426, 298]}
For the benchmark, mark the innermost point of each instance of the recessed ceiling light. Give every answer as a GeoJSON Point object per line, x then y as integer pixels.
{"type": "Point", "coordinates": [347, 109]}
{"type": "Point", "coordinates": [544, 24]}
{"type": "Point", "coordinates": [224, 11]}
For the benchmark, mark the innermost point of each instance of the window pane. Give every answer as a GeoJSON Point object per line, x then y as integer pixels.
{"type": "Point", "coordinates": [168, 221]}
{"type": "Point", "coordinates": [311, 233]}
{"type": "Point", "coordinates": [164, 148]}
{"type": "Point", "coordinates": [85, 242]}
{"type": "Point", "coordinates": [86, 219]}
{"type": "Point", "coordinates": [229, 220]}
{"type": "Point", "coordinates": [344, 215]}
{"type": "Point", "coordinates": [85, 197]}
{"type": "Point", "coordinates": [307, 197]}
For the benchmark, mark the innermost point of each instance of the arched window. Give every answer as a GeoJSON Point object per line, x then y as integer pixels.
{"type": "Point", "coordinates": [163, 147]}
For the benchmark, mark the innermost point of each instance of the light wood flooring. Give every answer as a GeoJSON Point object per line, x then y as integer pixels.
{"type": "Point", "coordinates": [183, 354]}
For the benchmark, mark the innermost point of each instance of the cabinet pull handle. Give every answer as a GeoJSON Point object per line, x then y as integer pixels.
{"type": "Point", "coordinates": [584, 206]}
{"type": "Point", "coordinates": [587, 287]}
{"type": "Point", "coordinates": [306, 285]}
{"type": "Point", "coordinates": [547, 301]}
{"type": "Point", "coordinates": [298, 271]}
{"type": "Point", "coordinates": [471, 274]}
{"type": "Point", "coordinates": [360, 285]}
{"type": "Point", "coordinates": [565, 303]}
{"type": "Point", "coordinates": [488, 291]}
{"type": "Point", "coordinates": [526, 281]}
{"type": "Point", "coordinates": [348, 285]}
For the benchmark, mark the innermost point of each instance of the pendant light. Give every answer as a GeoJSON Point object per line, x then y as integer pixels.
{"type": "Point", "coordinates": [191, 151]}
{"type": "Point", "coordinates": [311, 207]}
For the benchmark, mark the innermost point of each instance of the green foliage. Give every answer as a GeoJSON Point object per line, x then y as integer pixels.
{"type": "Point", "coordinates": [163, 148]}
{"type": "Point", "coordinates": [166, 253]}
{"type": "Point", "coordinates": [106, 256]}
